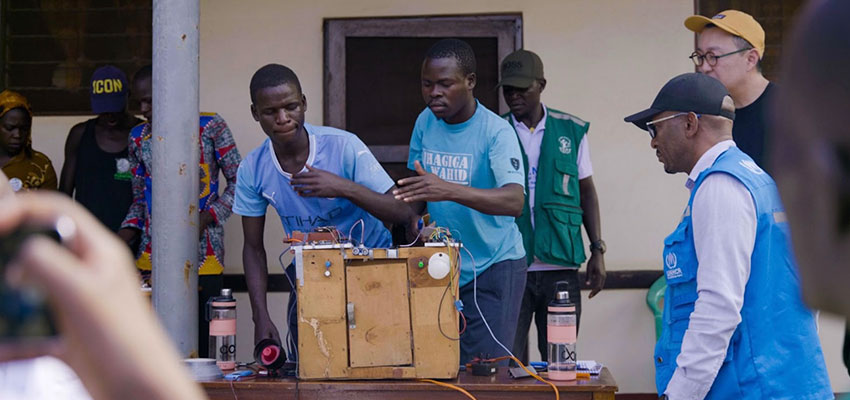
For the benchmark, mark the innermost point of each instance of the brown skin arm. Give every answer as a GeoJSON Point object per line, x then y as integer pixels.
{"type": "Point", "coordinates": [505, 200]}
{"type": "Point", "coordinates": [128, 235]}
{"type": "Point", "coordinates": [204, 219]}
{"type": "Point", "coordinates": [596, 264]}
{"type": "Point", "coordinates": [320, 183]}
{"type": "Point", "coordinates": [257, 276]}
{"type": "Point", "coordinates": [69, 167]}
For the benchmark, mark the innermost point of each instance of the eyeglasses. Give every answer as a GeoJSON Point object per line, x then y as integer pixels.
{"type": "Point", "coordinates": [710, 58]}
{"type": "Point", "coordinates": [651, 128]}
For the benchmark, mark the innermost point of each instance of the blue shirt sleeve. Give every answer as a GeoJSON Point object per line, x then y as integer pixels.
{"type": "Point", "coordinates": [248, 201]}
{"type": "Point", "coordinates": [415, 150]}
{"type": "Point", "coordinates": [363, 167]}
{"type": "Point", "coordinates": [505, 156]}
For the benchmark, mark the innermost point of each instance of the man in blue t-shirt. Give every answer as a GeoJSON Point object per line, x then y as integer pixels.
{"type": "Point", "coordinates": [313, 176]}
{"type": "Point", "coordinates": [470, 172]}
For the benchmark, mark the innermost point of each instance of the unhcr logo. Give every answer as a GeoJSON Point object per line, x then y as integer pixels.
{"type": "Point", "coordinates": [102, 86]}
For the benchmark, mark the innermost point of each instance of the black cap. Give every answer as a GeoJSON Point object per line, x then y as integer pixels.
{"type": "Point", "coordinates": [691, 92]}
{"type": "Point", "coordinates": [520, 69]}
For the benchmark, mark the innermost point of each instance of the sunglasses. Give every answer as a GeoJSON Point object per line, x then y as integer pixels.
{"type": "Point", "coordinates": [651, 128]}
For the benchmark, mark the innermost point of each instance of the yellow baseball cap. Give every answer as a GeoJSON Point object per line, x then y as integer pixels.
{"type": "Point", "coordinates": [734, 22]}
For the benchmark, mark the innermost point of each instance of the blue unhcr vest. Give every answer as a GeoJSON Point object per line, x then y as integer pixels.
{"type": "Point", "coordinates": [775, 351]}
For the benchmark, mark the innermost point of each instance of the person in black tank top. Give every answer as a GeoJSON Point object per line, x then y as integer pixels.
{"type": "Point", "coordinates": [102, 180]}
{"type": "Point", "coordinates": [96, 171]}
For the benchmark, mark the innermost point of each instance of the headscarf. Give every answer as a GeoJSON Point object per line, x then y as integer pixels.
{"type": "Point", "coordinates": [10, 100]}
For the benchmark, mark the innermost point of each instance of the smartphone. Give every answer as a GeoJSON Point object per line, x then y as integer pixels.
{"type": "Point", "coordinates": [23, 311]}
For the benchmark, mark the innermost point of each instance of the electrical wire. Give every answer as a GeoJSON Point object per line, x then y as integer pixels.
{"type": "Point", "coordinates": [290, 340]}
{"type": "Point", "coordinates": [233, 389]}
{"type": "Point", "coordinates": [362, 231]}
{"type": "Point", "coordinates": [414, 240]}
{"type": "Point", "coordinates": [455, 293]}
{"type": "Point", "coordinates": [440, 313]}
{"type": "Point", "coordinates": [450, 386]}
{"type": "Point", "coordinates": [510, 354]}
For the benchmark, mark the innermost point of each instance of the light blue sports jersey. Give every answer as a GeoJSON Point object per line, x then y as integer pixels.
{"type": "Point", "coordinates": [482, 152]}
{"type": "Point", "coordinates": [261, 182]}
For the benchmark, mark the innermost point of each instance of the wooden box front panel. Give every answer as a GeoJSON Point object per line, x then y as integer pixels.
{"type": "Point", "coordinates": [322, 327]}
{"type": "Point", "coordinates": [381, 333]}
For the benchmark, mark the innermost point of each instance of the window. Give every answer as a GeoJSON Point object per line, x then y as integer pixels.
{"type": "Point", "coordinates": [51, 47]}
{"type": "Point", "coordinates": [372, 68]}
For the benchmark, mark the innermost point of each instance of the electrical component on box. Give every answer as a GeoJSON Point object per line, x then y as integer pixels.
{"type": "Point", "coordinates": [438, 265]}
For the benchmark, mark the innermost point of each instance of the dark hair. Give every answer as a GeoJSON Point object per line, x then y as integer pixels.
{"type": "Point", "coordinates": [272, 75]}
{"type": "Point", "coordinates": [457, 49]}
{"type": "Point", "coordinates": [143, 73]}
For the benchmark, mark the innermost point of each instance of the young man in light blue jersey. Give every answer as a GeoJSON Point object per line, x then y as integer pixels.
{"type": "Point", "coordinates": [313, 176]}
{"type": "Point", "coordinates": [470, 173]}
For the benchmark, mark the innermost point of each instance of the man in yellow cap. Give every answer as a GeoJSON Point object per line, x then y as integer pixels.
{"type": "Point", "coordinates": [26, 168]}
{"type": "Point", "coordinates": [730, 47]}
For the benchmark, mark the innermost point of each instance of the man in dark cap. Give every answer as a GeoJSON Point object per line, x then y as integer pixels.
{"type": "Point", "coordinates": [735, 323]}
{"type": "Point", "coordinates": [96, 171]}
{"type": "Point", "coordinates": [556, 153]}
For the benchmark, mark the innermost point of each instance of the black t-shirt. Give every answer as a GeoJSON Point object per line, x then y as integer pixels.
{"type": "Point", "coordinates": [751, 126]}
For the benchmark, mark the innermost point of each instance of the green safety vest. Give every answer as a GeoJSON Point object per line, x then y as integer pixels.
{"type": "Point", "coordinates": [555, 237]}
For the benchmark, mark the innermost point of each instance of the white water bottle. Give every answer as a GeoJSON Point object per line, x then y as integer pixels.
{"type": "Point", "coordinates": [561, 335]}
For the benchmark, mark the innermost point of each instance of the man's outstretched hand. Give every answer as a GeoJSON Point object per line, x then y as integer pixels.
{"type": "Point", "coordinates": [423, 187]}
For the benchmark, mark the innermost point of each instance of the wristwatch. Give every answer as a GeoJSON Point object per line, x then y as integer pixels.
{"type": "Point", "coordinates": [598, 245]}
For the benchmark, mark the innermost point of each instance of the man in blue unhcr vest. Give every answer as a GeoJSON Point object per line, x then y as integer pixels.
{"type": "Point", "coordinates": [735, 326]}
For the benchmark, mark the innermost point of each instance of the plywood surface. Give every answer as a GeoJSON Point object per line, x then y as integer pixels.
{"type": "Point", "coordinates": [379, 295]}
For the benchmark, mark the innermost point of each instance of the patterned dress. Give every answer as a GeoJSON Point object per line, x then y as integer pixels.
{"type": "Point", "coordinates": [218, 153]}
{"type": "Point", "coordinates": [30, 170]}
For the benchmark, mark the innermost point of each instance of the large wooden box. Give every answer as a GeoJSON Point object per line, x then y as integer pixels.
{"type": "Point", "coordinates": [379, 315]}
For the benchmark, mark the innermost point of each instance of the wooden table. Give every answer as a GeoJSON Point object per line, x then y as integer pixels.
{"type": "Point", "coordinates": [500, 386]}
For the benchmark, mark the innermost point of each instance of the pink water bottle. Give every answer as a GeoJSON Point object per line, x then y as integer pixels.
{"type": "Point", "coordinates": [561, 335]}
{"type": "Point", "coordinates": [221, 313]}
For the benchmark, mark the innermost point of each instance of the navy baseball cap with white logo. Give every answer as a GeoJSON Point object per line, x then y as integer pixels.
{"type": "Point", "coordinates": [108, 90]}
{"type": "Point", "coordinates": [691, 92]}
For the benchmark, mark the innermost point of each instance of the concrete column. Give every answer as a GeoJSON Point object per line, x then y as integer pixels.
{"type": "Point", "coordinates": [175, 170]}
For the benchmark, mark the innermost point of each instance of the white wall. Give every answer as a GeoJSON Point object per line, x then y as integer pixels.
{"type": "Point", "coordinates": [604, 59]}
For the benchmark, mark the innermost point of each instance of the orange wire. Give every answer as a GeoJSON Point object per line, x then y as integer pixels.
{"type": "Point", "coordinates": [555, 388]}
{"type": "Point", "coordinates": [450, 386]}
{"type": "Point", "coordinates": [464, 323]}
{"type": "Point", "coordinates": [535, 376]}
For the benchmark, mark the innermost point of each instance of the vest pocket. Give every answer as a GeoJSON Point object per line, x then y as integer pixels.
{"type": "Point", "coordinates": [566, 178]}
{"type": "Point", "coordinates": [564, 242]}
{"type": "Point", "coordinates": [679, 256]}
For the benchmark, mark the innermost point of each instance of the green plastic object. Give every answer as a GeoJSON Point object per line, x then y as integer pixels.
{"type": "Point", "coordinates": [655, 301]}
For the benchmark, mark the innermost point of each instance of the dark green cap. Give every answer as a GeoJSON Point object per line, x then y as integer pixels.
{"type": "Point", "coordinates": [520, 69]}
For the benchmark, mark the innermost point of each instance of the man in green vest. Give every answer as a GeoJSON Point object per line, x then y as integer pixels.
{"type": "Point", "coordinates": [561, 196]}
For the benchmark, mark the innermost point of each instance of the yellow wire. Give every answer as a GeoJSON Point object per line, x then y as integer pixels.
{"type": "Point", "coordinates": [534, 375]}
{"type": "Point", "coordinates": [555, 388]}
{"type": "Point", "coordinates": [450, 386]}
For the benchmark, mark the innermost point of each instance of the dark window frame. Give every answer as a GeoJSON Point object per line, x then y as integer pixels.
{"type": "Point", "coordinates": [506, 28]}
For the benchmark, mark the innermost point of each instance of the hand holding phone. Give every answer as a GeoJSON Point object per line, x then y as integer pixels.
{"type": "Point", "coordinates": [23, 312]}
{"type": "Point", "coordinates": [109, 334]}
